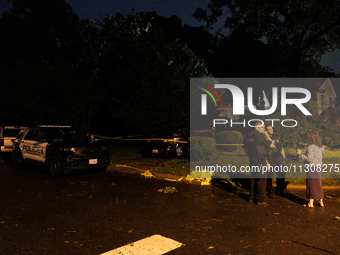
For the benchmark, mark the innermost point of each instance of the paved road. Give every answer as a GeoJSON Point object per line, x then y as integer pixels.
{"type": "Point", "coordinates": [93, 213]}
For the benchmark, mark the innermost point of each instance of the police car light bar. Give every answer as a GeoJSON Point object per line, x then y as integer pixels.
{"type": "Point", "coordinates": [15, 127]}
{"type": "Point", "coordinates": [57, 126]}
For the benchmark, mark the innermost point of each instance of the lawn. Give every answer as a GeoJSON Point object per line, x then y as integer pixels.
{"type": "Point", "coordinates": [131, 151]}
{"type": "Point", "coordinates": [330, 169]}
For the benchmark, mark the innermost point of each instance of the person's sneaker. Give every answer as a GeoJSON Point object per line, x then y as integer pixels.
{"type": "Point", "coordinates": [262, 204]}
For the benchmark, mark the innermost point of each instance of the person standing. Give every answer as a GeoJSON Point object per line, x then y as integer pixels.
{"type": "Point", "coordinates": [256, 145]}
{"type": "Point", "coordinates": [313, 158]}
{"type": "Point", "coordinates": [276, 157]}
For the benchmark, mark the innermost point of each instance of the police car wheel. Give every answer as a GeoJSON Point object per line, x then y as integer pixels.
{"type": "Point", "coordinates": [179, 151]}
{"type": "Point", "coordinates": [55, 167]}
{"type": "Point", "coordinates": [18, 160]}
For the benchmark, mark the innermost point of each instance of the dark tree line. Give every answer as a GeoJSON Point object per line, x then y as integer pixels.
{"type": "Point", "coordinates": [294, 34]}
{"type": "Point", "coordinates": [120, 74]}
{"type": "Point", "coordinates": [131, 73]}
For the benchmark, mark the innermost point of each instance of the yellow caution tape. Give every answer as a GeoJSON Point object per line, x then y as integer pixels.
{"type": "Point", "coordinates": [205, 180]}
{"type": "Point", "coordinates": [188, 178]}
{"type": "Point", "coordinates": [230, 144]}
{"type": "Point", "coordinates": [170, 190]}
{"type": "Point", "coordinates": [147, 174]}
{"type": "Point", "coordinates": [123, 138]}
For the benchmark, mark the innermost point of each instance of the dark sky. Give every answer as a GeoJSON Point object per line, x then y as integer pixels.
{"type": "Point", "coordinates": [96, 9]}
{"type": "Point", "coordinates": [166, 8]}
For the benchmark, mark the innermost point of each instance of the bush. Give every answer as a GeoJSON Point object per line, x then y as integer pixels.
{"type": "Point", "coordinates": [202, 148]}
{"type": "Point", "coordinates": [229, 137]}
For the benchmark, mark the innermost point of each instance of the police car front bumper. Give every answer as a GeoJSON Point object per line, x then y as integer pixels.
{"type": "Point", "coordinates": [78, 163]}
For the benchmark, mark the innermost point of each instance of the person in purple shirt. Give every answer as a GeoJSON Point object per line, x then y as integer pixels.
{"type": "Point", "coordinates": [313, 161]}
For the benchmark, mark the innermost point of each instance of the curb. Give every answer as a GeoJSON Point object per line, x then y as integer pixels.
{"type": "Point", "coordinates": [299, 187]}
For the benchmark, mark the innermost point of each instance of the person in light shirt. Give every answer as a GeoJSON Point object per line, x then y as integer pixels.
{"type": "Point", "coordinates": [313, 157]}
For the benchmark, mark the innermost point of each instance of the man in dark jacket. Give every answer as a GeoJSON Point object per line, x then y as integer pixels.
{"type": "Point", "coordinates": [276, 158]}
{"type": "Point", "coordinates": [256, 147]}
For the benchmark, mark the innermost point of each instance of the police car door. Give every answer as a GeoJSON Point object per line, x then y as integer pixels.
{"type": "Point", "coordinates": [33, 146]}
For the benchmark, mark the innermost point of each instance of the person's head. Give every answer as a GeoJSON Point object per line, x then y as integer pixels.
{"type": "Point", "coordinates": [269, 129]}
{"type": "Point", "coordinates": [313, 138]}
{"type": "Point", "coordinates": [260, 126]}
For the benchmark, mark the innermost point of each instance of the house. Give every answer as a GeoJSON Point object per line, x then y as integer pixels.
{"type": "Point", "coordinates": [323, 97]}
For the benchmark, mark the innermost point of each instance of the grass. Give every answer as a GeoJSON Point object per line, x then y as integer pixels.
{"type": "Point", "coordinates": [174, 166]}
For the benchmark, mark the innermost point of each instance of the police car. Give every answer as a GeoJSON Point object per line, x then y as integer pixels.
{"type": "Point", "coordinates": [60, 149]}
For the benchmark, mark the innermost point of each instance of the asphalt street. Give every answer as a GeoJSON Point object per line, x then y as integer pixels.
{"type": "Point", "coordinates": [93, 213]}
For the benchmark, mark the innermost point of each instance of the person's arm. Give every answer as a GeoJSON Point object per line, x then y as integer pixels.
{"type": "Point", "coordinates": [310, 154]}
{"type": "Point", "coordinates": [273, 146]}
{"type": "Point", "coordinates": [283, 155]}
{"type": "Point", "coordinates": [268, 141]}
{"type": "Point", "coordinates": [245, 151]}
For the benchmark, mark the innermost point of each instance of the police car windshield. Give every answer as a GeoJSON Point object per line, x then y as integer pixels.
{"type": "Point", "coordinates": [65, 135]}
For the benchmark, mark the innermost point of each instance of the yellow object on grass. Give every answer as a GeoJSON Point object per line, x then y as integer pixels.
{"type": "Point", "coordinates": [147, 174]}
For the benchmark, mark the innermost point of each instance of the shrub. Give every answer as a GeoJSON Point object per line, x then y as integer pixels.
{"type": "Point", "coordinates": [202, 148]}
{"type": "Point", "coordinates": [229, 137]}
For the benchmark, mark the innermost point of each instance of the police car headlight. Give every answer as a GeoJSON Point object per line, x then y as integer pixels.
{"type": "Point", "coordinates": [74, 149]}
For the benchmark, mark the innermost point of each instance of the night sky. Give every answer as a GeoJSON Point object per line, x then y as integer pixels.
{"type": "Point", "coordinates": [97, 9]}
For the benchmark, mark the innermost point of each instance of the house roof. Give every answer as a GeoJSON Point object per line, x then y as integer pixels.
{"type": "Point", "coordinates": [328, 84]}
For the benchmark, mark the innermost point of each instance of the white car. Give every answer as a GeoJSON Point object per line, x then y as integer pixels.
{"type": "Point", "coordinates": [7, 135]}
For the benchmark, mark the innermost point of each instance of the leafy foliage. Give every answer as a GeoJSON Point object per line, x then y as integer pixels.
{"type": "Point", "coordinates": [148, 73]}
{"type": "Point", "coordinates": [229, 137]}
{"type": "Point", "coordinates": [297, 32]}
{"type": "Point", "coordinates": [36, 30]}
{"type": "Point", "coordinates": [202, 148]}
{"type": "Point", "coordinates": [295, 135]}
